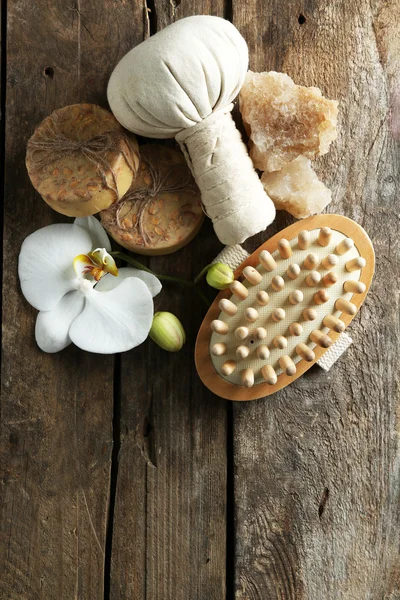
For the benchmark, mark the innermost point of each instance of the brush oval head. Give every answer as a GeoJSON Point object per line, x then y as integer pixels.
{"type": "Point", "coordinates": [304, 286]}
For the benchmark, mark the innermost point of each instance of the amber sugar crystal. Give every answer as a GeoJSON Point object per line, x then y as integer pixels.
{"type": "Point", "coordinates": [285, 120]}
{"type": "Point", "coordinates": [297, 189]}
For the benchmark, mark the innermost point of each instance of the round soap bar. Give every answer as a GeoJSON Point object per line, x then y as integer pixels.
{"type": "Point", "coordinates": [80, 160]}
{"type": "Point", "coordinates": [162, 210]}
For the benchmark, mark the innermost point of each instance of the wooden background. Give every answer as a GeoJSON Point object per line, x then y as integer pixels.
{"type": "Point", "coordinates": [123, 477]}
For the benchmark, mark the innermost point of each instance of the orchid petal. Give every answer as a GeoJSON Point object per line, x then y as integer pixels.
{"type": "Point", "coordinates": [95, 230]}
{"type": "Point", "coordinates": [116, 320]}
{"type": "Point", "coordinates": [46, 261]}
{"type": "Point", "coordinates": [52, 326]}
{"type": "Point", "coordinates": [109, 283]}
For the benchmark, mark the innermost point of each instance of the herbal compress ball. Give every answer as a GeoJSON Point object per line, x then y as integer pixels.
{"type": "Point", "coordinates": [80, 160]}
{"type": "Point", "coordinates": [181, 83]}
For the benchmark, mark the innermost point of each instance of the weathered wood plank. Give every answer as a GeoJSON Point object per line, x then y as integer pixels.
{"type": "Point", "coordinates": [56, 434]}
{"type": "Point", "coordinates": [317, 465]}
{"type": "Point", "coordinates": [169, 521]}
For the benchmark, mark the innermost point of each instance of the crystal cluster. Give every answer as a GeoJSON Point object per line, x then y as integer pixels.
{"type": "Point", "coordinates": [287, 126]}
{"type": "Point", "coordinates": [297, 189]}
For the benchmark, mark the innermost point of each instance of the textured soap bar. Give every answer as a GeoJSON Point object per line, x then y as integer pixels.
{"type": "Point", "coordinates": [297, 189]}
{"type": "Point", "coordinates": [80, 160]}
{"type": "Point", "coordinates": [285, 120]}
{"type": "Point", "coordinates": [162, 210]}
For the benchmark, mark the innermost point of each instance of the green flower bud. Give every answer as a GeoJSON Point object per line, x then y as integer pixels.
{"type": "Point", "coordinates": [219, 276]}
{"type": "Point", "coordinates": [167, 331]}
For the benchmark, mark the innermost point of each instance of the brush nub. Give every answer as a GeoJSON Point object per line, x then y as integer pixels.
{"type": "Point", "coordinates": [303, 239]}
{"type": "Point", "coordinates": [251, 315]}
{"type": "Point", "coordinates": [252, 275]}
{"type": "Point", "coordinates": [268, 372]}
{"type": "Point", "coordinates": [293, 271]}
{"type": "Point", "coordinates": [277, 283]}
{"type": "Point", "coordinates": [331, 260]}
{"type": "Point", "coordinates": [332, 322]}
{"type": "Point", "coordinates": [260, 333]}
{"type": "Point", "coordinates": [310, 262]}
{"type": "Point", "coordinates": [220, 327]}
{"type": "Point", "coordinates": [345, 306]}
{"type": "Point", "coordinates": [284, 248]}
{"type": "Point", "coordinates": [313, 279]}
{"type": "Point", "coordinates": [309, 314]}
{"type": "Point", "coordinates": [320, 338]}
{"type": "Point", "coordinates": [241, 333]}
{"type": "Point", "coordinates": [267, 260]}
{"type": "Point", "coordinates": [287, 365]}
{"type": "Point", "coordinates": [278, 314]}
{"type": "Point", "coordinates": [227, 307]}
{"type": "Point", "coordinates": [296, 297]}
{"type": "Point", "coordinates": [344, 246]}
{"type": "Point", "coordinates": [321, 297]}
{"type": "Point", "coordinates": [280, 342]}
{"type": "Point", "coordinates": [329, 279]}
{"type": "Point", "coordinates": [355, 264]}
{"type": "Point", "coordinates": [219, 349]}
{"type": "Point", "coordinates": [242, 351]}
{"type": "Point", "coordinates": [324, 236]}
{"type": "Point", "coordinates": [263, 352]}
{"type": "Point", "coordinates": [354, 287]}
{"type": "Point", "coordinates": [262, 298]}
{"type": "Point", "coordinates": [248, 377]}
{"type": "Point", "coordinates": [295, 329]}
{"type": "Point", "coordinates": [305, 352]}
{"type": "Point", "coordinates": [228, 367]}
{"type": "Point", "coordinates": [239, 290]}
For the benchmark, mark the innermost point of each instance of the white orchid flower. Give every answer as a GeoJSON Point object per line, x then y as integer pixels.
{"type": "Point", "coordinates": [67, 273]}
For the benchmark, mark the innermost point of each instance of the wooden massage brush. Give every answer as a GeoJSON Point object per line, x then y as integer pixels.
{"type": "Point", "coordinates": [289, 303]}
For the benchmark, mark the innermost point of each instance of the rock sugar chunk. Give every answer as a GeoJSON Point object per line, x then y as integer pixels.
{"type": "Point", "coordinates": [80, 160]}
{"type": "Point", "coordinates": [297, 189]}
{"type": "Point", "coordinates": [162, 210]}
{"type": "Point", "coordinates": [285, 120]}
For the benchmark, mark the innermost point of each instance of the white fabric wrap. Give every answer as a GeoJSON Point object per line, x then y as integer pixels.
{"type": "Point", "coordinates": [181, 83]}
{"type": "Point", "coordinates": [235, 255]}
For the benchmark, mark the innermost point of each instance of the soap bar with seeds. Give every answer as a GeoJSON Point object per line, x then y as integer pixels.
{"type": "Point", "coordinates": [80, 160]}
{"type": "Point", "coordinates": [162, 211]}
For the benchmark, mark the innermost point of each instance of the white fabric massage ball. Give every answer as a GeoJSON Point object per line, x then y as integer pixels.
{"type": "Point", "coordinates": [181, 83]}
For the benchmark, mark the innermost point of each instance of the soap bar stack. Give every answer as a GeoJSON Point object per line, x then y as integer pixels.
{"type": "Point", "coordinates": [80, 160]}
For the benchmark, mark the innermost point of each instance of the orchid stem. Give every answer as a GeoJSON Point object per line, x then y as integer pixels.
{"type": "Point", "coordinates": [203, 297]}
{"type": "Point", "coordinates": [135, 263]}
{"type": "Point", "coordinates": [201, 274]}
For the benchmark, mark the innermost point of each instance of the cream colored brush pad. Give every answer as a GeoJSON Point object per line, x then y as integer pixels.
{"type": "Point", "coordinates": [280, 300]}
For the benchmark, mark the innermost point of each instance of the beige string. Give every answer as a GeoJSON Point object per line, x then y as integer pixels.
{"type": "Point", "coordinates": [231, 191]}
{"type": "Point", "coordinates": [176, 180]}
{"type": "Point", "coordinates": [52, 145]}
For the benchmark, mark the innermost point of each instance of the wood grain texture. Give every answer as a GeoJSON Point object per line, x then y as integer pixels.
{"type": "Point", "coordinates": [56, 427]}
{"type": "Point", "coordinates": [317, 465]}
{"type": "Point", "coordinates": [169, 530]}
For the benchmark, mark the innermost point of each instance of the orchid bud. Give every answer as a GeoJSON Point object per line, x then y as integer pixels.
{"type": "Point", "coordinates": [220, 276]}
{"type": "Point", "coordinates": [167, 331]}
